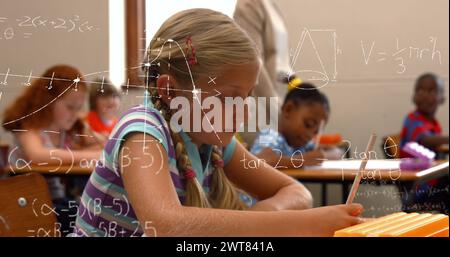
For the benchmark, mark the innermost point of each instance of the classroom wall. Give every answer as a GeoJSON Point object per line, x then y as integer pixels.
{"type": "Point", "coordinates": [370, 90]}
{"type": "Point", "coordinates": [35, 35]}
{"type": "Point", "coordinates": [364, 97]}
{"type": "Point", "coordinates": [373, 85]}
{"type": "Point", "coordinates": [367, 94]}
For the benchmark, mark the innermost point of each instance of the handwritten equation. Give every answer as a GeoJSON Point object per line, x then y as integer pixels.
{"type": "Point", "coordinates": [401, 53]}
{"type": "Point", "coordinates": [56, 165]}
{"type": "Point", "coordinates": [96, 207]}
{"type": "Point", "coordinates": [401, 198]}
{"type": "Point", "coordinates": [321, 51]}
{"type": "Point", "coordinates": [24, 27]}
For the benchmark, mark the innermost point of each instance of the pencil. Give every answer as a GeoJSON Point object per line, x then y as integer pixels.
{"type": "Point", "coordinates": [362, 167]}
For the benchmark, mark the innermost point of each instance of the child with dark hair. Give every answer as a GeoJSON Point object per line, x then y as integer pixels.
{"type": "Point", "coordinates": [421, 125]}
{"type": "Point", "coordinates": [104, 102]}
{"type": "Point", "coordinates": [303, 110]}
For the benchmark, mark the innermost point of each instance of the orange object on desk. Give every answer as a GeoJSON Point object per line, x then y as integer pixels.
{"type": "Point", "coordinates": [330, 139]}
{"type": "Point", "coordinates": [400, 224]}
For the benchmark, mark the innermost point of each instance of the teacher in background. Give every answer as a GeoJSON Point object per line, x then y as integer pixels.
{"type": "Point", "coordinates": [262, 20]}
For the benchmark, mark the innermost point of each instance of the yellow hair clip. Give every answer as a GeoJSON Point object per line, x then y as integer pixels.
{"type": "Point", "coordinates": [294, 83]}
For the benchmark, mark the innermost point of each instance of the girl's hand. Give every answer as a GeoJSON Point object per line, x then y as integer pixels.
{"type": "Point", "coordinates": [329, 219]}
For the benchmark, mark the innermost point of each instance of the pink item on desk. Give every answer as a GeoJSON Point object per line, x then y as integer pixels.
{"type": "Point", "coordinates": [423, 157]}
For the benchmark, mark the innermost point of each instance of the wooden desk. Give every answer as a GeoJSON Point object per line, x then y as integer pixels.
{"type": "Point", "coordinates": [443, 149]}
{"type": "Point", "coordinates": [51, 170]}
{"type": "Point", "coordinates": [345, 176]}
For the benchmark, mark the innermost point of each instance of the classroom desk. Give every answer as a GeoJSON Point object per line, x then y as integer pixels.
{"type": "Point", "coordinates": [443, 148]}
{"type": "Point", "coordinates": [50, 170]}
{"type": "Point", "coordinates": [324, 174]}
{"type": "Point", "coordinates": [442, 152]}
{"type": "Point", "coordinates": [377, 170]}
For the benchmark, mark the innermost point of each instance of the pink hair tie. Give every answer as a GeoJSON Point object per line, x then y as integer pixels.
{"type": "Point", "coordinates": [190, 52]}
{"type": "Point", "coordinates": [219, 163]}
{"type": "Point", "coordinates": [189, 173]}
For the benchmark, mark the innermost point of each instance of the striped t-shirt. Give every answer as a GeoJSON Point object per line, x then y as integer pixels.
{"type": "Point", "coordinates": [104, 209]}
{"type": "Point", "coordinates": [415, 127]}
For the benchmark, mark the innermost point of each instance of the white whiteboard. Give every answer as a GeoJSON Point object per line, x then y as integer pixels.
{"type": "Point", "coordinates": [368, 78]}
{"type": "Point", "coordinates": [353, 41]}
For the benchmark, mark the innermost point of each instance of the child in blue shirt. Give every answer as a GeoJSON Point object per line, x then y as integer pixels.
{"type": "Point", "coordinates": [303, 110]}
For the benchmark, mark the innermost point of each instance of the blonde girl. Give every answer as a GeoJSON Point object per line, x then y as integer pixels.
{"type": "Point", "coordinates": [161, 182]}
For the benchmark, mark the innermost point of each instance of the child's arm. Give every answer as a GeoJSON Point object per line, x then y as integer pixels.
{"type": "Point", "coordinates": [274, 159]}
{"type": "Point", "coordinates": [433, 142]}
{"type": "Point", "coordinates": [34, 151]}
{"type": "Point", "coordinates": [274, 190]}
{"type": "Point", "coordinates": [151, 192]}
